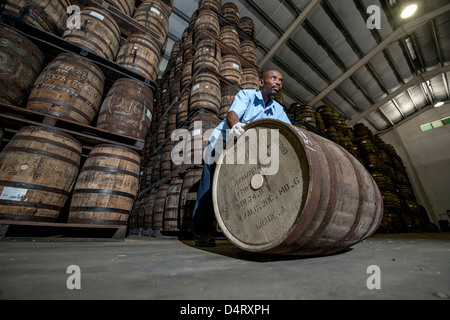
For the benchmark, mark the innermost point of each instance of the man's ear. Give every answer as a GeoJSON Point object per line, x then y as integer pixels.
{"type": "Point", "coordinates": [261, 82]}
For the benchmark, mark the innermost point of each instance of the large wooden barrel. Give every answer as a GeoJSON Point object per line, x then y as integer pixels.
{"type": "Point", "coordinates": [230, 37]}
{"type": "Point", "coordinates": [153, 15]}
{"type": "Point", "coordinates": [141, 54]}
{"type": "Point", "coordinates": [127, 108]}
{"type": "Point", "coordinates": [250, 79]}
{"type": "Point", "coordinates": [172, 205]}
{"type": "Point", "coordinates": [20, 64]}
{"type": "Point", "coordinates": [321, 200]}
{"type": "Point", "coordinates": [48, 15]}
{"type": "Point", "coordinates": [207, 21]}
{"type": "Point", "coordinates": [69, 87]}
{"type": "Point", "coordinates": [106, 187]}
{"type": "Point", "coordinates": [228, 94]}
{"type": "Point", "coordinates": [99, 33]}
{"type": "Point", "coordinates": [207, 54]}
{"type": "Point", "coordinates": [231, 69]}
{"type": "Point", "coordinates": [247, 25]}
{"type": "Point", "coordinates": [38, 170]}
{"type": "Point", "coordinates": [205, 93]}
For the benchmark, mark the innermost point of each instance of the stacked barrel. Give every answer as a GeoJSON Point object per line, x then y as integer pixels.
{"type": "Point", "coordinates": [101, 188]}
{"type": "Point", "coordinates": [213, 60]}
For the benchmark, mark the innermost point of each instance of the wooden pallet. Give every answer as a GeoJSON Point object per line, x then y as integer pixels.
{"type": "Point", "coordinates": [54, 231]}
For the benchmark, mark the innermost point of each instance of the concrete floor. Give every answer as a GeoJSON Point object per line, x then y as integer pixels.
{"type": "Point", "coordinates": [412, 266]}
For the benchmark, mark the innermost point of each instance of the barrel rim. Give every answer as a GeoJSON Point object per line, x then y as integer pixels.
{"type": "Point", "coordinates": [55, 131]}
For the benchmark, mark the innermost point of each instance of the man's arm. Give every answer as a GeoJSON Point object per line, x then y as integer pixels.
{"type": "Point", "coordinates": [232, 119]}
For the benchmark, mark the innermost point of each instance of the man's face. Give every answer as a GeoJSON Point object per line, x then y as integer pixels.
{"type": "Point", "coordinates": [271, 82]}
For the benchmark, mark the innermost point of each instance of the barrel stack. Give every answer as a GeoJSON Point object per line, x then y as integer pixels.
{"type": "Point", "coordinates": [214, 59]}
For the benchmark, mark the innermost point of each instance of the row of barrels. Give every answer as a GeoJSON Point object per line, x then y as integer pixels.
{"type": "Point", "coordinates": [71, 87]}
{"type": "Point", "coordinates": [43, 177]}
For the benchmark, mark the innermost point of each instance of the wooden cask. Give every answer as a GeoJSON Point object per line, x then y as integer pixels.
{"type": "Point", "coordinates": [318, 199]}
{"type": "Point", "coordinates": [141, 54]}
{"type": "Point", "coordinates": [158, 207]}
{"type": "Point", "coordinates": [247, 25]}
{"type": "Point", "coordinates": [207, 55]}
{"type": "Point", "coordinates": [250, 79]}
{"type": "Point", "coordinates": [215, 5]}
{"type": "Point", "coordinates": [127, 108]}
{"type": "Point", "coordinates": [172, 205]}
{"type": "Point", "coordinates": [153, 15]}
{"type": "Point", "coordinates": [230, 12]}
{"type": "Point", "coordinates": [69, 87]}
{"type": "Point", "coordinates": [231, 69]}
{"type": "Point", "coordinates": [207, 21]}
{"type": "Point", "coordinates": [48, 15]}
{"type": "Point", "coordinates": [20, 64]}
{"type": "Point", "coordinates": [38, 170]}
{"type": "Point", "coordinates": [230, 37]}
{"type": "Point", "coordinates": [228, 94]}
{"type": "Point", "coordinates": [106, 186]}
{"type": "Point", "coordinates": [125, 6]}
{"type": "Point", "coordinates": [248, 51]}
{"type": "Point", "coordinates": [99, 33]}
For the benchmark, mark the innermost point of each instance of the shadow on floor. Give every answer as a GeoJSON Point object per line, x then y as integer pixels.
{"type": "Point", "coordinates": [227, 249]}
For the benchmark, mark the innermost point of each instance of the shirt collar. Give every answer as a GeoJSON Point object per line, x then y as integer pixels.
{"type": "Point", "coordinates": [260, 97]}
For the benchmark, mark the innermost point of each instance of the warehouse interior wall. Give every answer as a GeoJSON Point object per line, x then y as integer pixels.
{"type": "Point", "coordinates": [426, 156]}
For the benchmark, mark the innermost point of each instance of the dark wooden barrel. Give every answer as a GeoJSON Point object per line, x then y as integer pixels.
{"type": "Point", "coordinates": [125, 6]}
{"type": "Point", "coordinates": [205, 93]}
{"type": "Point", "coordinates": [158, 207]}
{"type": "Point", "coordinates": [207, 54]}
{"type": "Point", "coordinates": [20, 64]}
{"type": "Point", "coordinates": [172, 205]}
{"type": "Point", "coordinates": [215, 5]}
{"type": "Point", "coordinates": [141, 54]}
{"type": "Point", "coordinates": [127, 108]}
{"type": "Point", "coordinates": [321, 200]}
{"type": "Point", "coordinates": [106, 186]}
{"type": "Point", "coordinates": [148, 210]}
{"type": "Point", "coordinates": [183, 107]}
{"type": "Point", "coordinates": [248, 51]}
{"type": "Point", "coordinates": [186, 74]}
{"type": "Point", "coordinates": [303, 112]}
{"type": "Point", "coordinates": [69, 87]}
{"type": "Point", "coordinates": [153, 15]}
{"type": "Point", "coordinates": [247, 25]}
{"type": "Point", "coordinates": [166, 159]}
{"type": "Point", "coordinates": [48, 15]}
{"type": "Point", "coordinates": [99, 33]}
{"type": "Point", "coordinates": [38, 170]}
{"type": "Point", "coordinates": [230, 12]}
{"type": "Point", "coordinates": [207, 21]}
{"type": "Point", "coordinates": [188, 198]}
{"type": "Point", "coordinates": [230, 37]}
{"type": "Point", "coordinates": [250, 78]}
{"type": "Point", "coordinates": [228, 94]}
{"type": "Point", "coordinates": [231, 69]}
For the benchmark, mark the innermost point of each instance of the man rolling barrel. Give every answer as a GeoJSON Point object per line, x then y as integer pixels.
{"type": "Point", "coordinates": [248, 105]}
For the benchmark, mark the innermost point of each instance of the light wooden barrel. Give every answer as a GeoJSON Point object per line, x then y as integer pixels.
{"type": "Point", "coordinates": [106, 186]}
{"type": "Point", "coordinates": [141, 54]}
{"type": "Point", "coordinates": [20, 64]}
{"type": "Point", "coordinates": [320, 201]}
{"type": "Point", "coordinates": [205, 93]}
{"type": "Point", "coordinates": [153, 15]}
{"type": "Point", "coordinates": [38, 170]}
{"type": "Point", "coordinates": [231, 69]}
{"type": "Point", "coordinates": [48, 15]}
{"type": "Point", "coordinates": [207, 21]}
{"type": "Point", "coordinates": [99, 33]}
{"type": "Point", "coordinates": [250, 78]}
{"type": "Point", "coordinates": [207, 54]}
{"type": "Point", "coordinates": [230, 37]}
{"type": "Point", "coordinates": [158, 208]}
{"type": "Point", "coordinates": [215, 5]}
{"type": "Point", "coordinates": [127, 108]}
{"type": "Point", "coordinates": [171, 208]}
{"type": "Point", "coordinates": [230, 12]}
{"type": "Point", "coordinates": [69, 87]}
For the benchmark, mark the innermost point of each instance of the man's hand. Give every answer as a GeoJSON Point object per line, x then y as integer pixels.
{"type": "Point", "coordinates": [237, 130]}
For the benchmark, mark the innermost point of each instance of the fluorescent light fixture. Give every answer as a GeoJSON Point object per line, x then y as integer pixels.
{"type": "Point", "coordinates": [438, 104]}
{"type": "Point", "coordinates": [408, 11]}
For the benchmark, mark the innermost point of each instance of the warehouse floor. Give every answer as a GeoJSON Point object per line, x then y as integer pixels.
{"type": "Point", "coordinates": [411, 266]}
